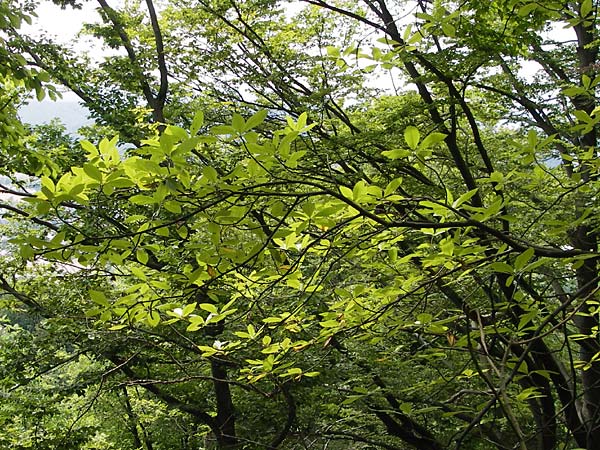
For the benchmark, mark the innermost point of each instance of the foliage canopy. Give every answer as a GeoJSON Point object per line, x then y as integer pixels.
{"type": "Point", "coordinates": [312, 224]}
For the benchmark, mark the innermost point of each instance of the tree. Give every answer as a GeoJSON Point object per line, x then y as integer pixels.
{"type": "Point", "coordinates": [239, 264]}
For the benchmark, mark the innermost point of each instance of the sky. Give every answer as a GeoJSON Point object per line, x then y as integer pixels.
{"type": "Point", "coordinates": [63, 26]}
{"type": "Point", "coordinates": [70, 112]}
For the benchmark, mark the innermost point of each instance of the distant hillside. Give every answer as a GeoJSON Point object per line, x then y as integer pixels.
{"type": "Point", "coordinates": [71, 113]}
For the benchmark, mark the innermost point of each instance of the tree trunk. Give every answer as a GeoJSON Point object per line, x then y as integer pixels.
{"type": "Point", "coordinates": [225, 419]}
{"type": "Point", "coordinates": [586, 239]}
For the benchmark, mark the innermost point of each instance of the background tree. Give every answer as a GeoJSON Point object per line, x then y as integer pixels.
{"type": "Point", "coordinates": [267, 279]}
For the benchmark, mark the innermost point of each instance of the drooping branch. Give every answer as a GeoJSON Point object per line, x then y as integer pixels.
{"type": "Point", "coordinates": [25, 299]}
{"type": "Point", "coordinates": [173, 402]}
{"type": "Point", "coordinates": [160, 52]}
{"type": "Point", "coordinates": [153, 102]}
{"type": "Point", "coordinates": [291, 417]}
{"type": "Point", "coordinates": [225, 418]}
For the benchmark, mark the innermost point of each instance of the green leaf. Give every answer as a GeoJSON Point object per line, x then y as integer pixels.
{"type": "Point", "coordinates": [89, 147]}
{"type": "Point", "coordinates": [501, 267]}
{"type": "Point", "coordinates": [48, 184]}
{"type": "Point", "coordinates": [448, 29]}
{"type": "Point", "coordinates": [308, 208]}
{"type": "Point", "coordinates": [173, 206]}
{"type": "Point", "coordinates": [222, 130]}
{"type": "Point", "coordinates": [464, 198]}
{"type": "Point", "coordinates": [99, 298]}
{"type": "Point", "coordinates": [333, 52]}
{"type": "Point", "coordinates": [238, 123]}
{"type": "Point", "coordinates": [293, 159]}
{"type": "Point", "coordinates": [209, 307]}
{"type": "Point", "coordinates": [182, 231]}
{"type": "Point", "coordinates": [177, 132]}
{"type": "Point", "coordinates": [346, 192]}
{"type": "Point", "coordinates": [187, 145]}
{"type": "Point", "coordinates": [196, 322]}
{"type": "Point", "coordinates": [207, 351]}
{"type": "Point", "coordinates": [138, 273]}
{"type": "Point", "coordinates": [93, 172]}
{"type": "Point", "coordinates": [431, 140]}
{"type": "Point", "coordinates": [424, 318]}
{"type": "Point", "coordinates": [524, 258]}
{"type": "Point", "coordinates": [527, 318]}
{"type": "Point", "coordinates": [153, 318]}
{"type": "Point", "coordinates": [40, 94]}
{"type": "Point", "coordinates": [197, 122]}
{"type": "Point", "coordinates": [142, 200]}
{"type": "Point", "coordinates": [412, 136]}
{"type": "Point", "coordinates": [586, 8]}
{"type": "Point", "coordinates": [210, 173]}
{"type": "Point", "coordinates": [351, 399]}
{"type": "Point", "coordinates": [447, 247]}
{"type": "Point", "coordinates": [189, 309]}
{"type": "Point", "coordinates": [359, 191]}
{"type": "Point", "coordinates": [141, 256]}
{"type": "Point", "coordinates": [573, 91]}
{"type": "Point", "coordinates": [396, 154]}
{"type": "Point", "coordinates": [527, 8]}
{"type": "Point", "coordinates": [392, 186]}
{"type": "Point", "coordinates": [256, 119]}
